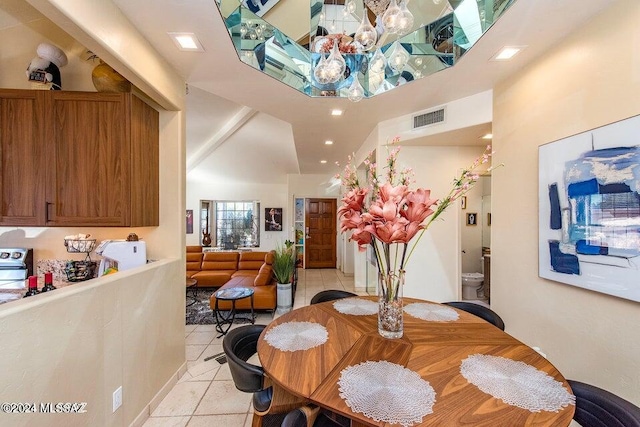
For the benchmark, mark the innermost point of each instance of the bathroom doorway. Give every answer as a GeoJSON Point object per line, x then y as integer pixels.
{"type": "Point", "coordinates": [476, 237]}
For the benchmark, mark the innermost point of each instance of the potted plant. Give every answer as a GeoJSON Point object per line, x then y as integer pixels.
{"type": "Point", "coordinates": [283, 266]}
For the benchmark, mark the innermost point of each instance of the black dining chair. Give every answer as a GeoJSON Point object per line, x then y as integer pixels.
{"type": "Point", "coordinates": [480, 311]}
{"type": "Point", "coordinates": [330, 295]}
{"type": "Point", "coordinates": [239, 345]}
{"type": "Point", "coordinates": [309, 416]}
{"type": "Point", "coordinates": [596, 407]}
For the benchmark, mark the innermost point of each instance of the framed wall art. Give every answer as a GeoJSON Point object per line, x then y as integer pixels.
{"type": "Point", "coordinates": [273, 219]}
{"type": "Point", "coordinates": [472, 218]}
{"type": "Point", "coordinates": [259, 7]}
{"type": "Point", "coordinates": [189, 221]}
{"type": "Point", "coordinates": [589, 210]}
{"type": "Point", "coordinates": [463, 202]}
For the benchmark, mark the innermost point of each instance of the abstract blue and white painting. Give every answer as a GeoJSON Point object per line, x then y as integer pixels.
{"type": "Point", "coordinates": [589, 202]}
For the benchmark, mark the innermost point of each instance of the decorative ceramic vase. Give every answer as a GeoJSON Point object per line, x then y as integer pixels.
{"type": "Point", "coordinates": [390, 321]}
{"type": "Point", "coordinates": [106, 79]}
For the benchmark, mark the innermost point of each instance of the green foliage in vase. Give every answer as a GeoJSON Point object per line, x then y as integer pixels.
{"type": "Point", "coordinates": [283, 263]}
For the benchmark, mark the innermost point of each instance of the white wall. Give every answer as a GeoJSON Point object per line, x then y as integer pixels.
{"type": "Point", "coordinates": [433, 272]}
{"type": "Point", "coordinates": [18, 48]}
{"type": "Point", "coordinates": [461, 113]}
{"type": "Point", "coordinates": [585, 82]}
{"type": "Point", "coordinates": [269, 196]}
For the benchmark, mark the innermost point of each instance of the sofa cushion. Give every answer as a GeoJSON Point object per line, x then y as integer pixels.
{"type": "Point", "coordinates": [194, 249]}
{"type": "Point", "coordinates": [220, 261]}
{"type": "Point", "coordinates": [264, 277]}
{"type": "Point", "coordinates": [194, 261]}
{"type": "Point", "coordinates": [245, 273]}
{"type": "Point", "coordinates": [212, 278]}
{"type": "Point", "coordinates": [251, 261]}
{"type": "Point", "coordinates": [269, 258]}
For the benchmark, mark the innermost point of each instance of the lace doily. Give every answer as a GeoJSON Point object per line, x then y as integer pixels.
{"type": "Point", "coordinates": [386, 392]}
{"type": "Point", "coordinates": [516, 383]}
{"type": "Point", "coordinates": [293, 336]}
{"type": "Point", "coordinates": [432, 312]}
{"type": "Point", "coordinates": [356, 306]}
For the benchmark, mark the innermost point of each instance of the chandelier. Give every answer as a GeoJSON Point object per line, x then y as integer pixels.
{"type": "Point", "coordinates": [392, 17]}
{"type": "Point", "coordinates": [361, 49]}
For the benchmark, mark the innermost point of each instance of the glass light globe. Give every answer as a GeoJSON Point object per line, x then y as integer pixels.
{"type": "Point", "coordinates": [366, 36]}
{"type": "Point", "coordinates": [356, 91]}
{"type": "Point", "coordinates": [336, 63]}
{"type": "Point", "coordinates": [418, 61]}
{"type": "Point", "coordinates": [321, 72]}
{"type": "Point", "coordinates": [405, 20]}
{"type": "Point", "coordinates": [391, 17]}
{"type": "Point", "coordinates": [350, 6]}
{"type": "Point", "coordinates": [378, 62]}
{"type": "Point", "coordinates": [243, 30]}
{"type": "Point", "coordinates": [398, 58]}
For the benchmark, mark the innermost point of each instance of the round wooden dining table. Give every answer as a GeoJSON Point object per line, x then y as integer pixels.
{"type": "Point", "coordinates": [434, 350]}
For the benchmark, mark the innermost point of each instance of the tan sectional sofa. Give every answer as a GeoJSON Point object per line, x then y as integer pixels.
{"type": "Point", "coordinates": [234, 269]}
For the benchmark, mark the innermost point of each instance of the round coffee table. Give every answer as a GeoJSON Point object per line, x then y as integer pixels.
{"type": "Point", "coordinates": [192, 284]}
{"type": "Point", "coordinates": [233, 295]}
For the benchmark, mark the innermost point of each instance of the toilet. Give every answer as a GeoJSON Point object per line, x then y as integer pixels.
{"type": "Point", "coordinates": [471, 282]}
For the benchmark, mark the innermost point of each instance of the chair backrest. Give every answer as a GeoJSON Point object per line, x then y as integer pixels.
{"type": "Point", "coordinates": [330, 295]}
{"type": "Point", "coordinates": [301, 417]}
{"type": "Point", "coordinates": [596, 407]}
{"type": "Point", "coordinates": [480, 311]}
{"type": "Point", "coordinates": [239, 345]}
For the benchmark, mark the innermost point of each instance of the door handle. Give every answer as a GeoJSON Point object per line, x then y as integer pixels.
{"type": "Point", "coordinates": [306, 233]}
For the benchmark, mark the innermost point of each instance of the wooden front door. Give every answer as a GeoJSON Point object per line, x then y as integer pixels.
{"type": "Point", "coordinates": [320, 243]}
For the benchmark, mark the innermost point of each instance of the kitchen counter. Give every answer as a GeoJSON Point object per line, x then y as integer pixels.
{"type": "Point", "coordinates": [14, 291]}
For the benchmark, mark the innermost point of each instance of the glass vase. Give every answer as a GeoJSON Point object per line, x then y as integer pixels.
{"type": "Point", "coordinates": [390, 322]}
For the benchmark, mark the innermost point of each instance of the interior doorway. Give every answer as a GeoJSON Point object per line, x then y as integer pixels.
{"type": "Point", "coordinates": [320, 240]}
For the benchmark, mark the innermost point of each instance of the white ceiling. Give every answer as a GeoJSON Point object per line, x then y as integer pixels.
{"type": "Point", "coordinates": [283, 131]}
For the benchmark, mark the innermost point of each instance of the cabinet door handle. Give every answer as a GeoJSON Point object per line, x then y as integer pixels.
{"type": "Point", "coordinates": [46, 211]}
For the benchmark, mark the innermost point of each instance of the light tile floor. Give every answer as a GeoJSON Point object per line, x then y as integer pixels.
{"type": "Point", "coordinates": [206, 395]}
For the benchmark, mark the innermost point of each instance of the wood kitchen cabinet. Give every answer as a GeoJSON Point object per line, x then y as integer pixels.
{"type": "Point", "coordinates": [22, 157]}
{"type": "Point", "coordinates": [99, 157]}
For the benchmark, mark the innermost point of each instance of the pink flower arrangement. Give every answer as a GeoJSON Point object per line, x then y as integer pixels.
{"type": "Point", "coordinates": [391, 213]}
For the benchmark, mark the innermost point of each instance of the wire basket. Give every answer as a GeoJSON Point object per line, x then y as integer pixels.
{"type": "Point", "coordinates": [77, 271]}
{"type": "Point", "coordinates": [78, 246]}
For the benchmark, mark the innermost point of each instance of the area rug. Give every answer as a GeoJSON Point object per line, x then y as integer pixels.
{"type": "Point", "coordinates": [199, 313]}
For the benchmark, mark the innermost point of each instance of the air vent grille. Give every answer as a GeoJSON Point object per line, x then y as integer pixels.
{"type": "Point", "coordinates": [428, 119]}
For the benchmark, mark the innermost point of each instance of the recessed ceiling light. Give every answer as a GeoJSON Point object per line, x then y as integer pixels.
{"type": "Point", "coordinates": [328, 142]}
{"type": "Point", "coordinates": [488, 136]}
{"type": "Point", "coordinates": [336, 112]}
{"type": "Point", "coordinates": [507, 53]}
{"type": "Point", "coordinates": [187, 42]}
{"type": "Point", "coordinates": [323, 161]}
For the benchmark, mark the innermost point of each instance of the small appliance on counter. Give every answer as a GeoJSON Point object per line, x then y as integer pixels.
{"type": "Point", "coordinates": [16, 265]}
{"type": "Point", "coordinates": [121, 255]}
